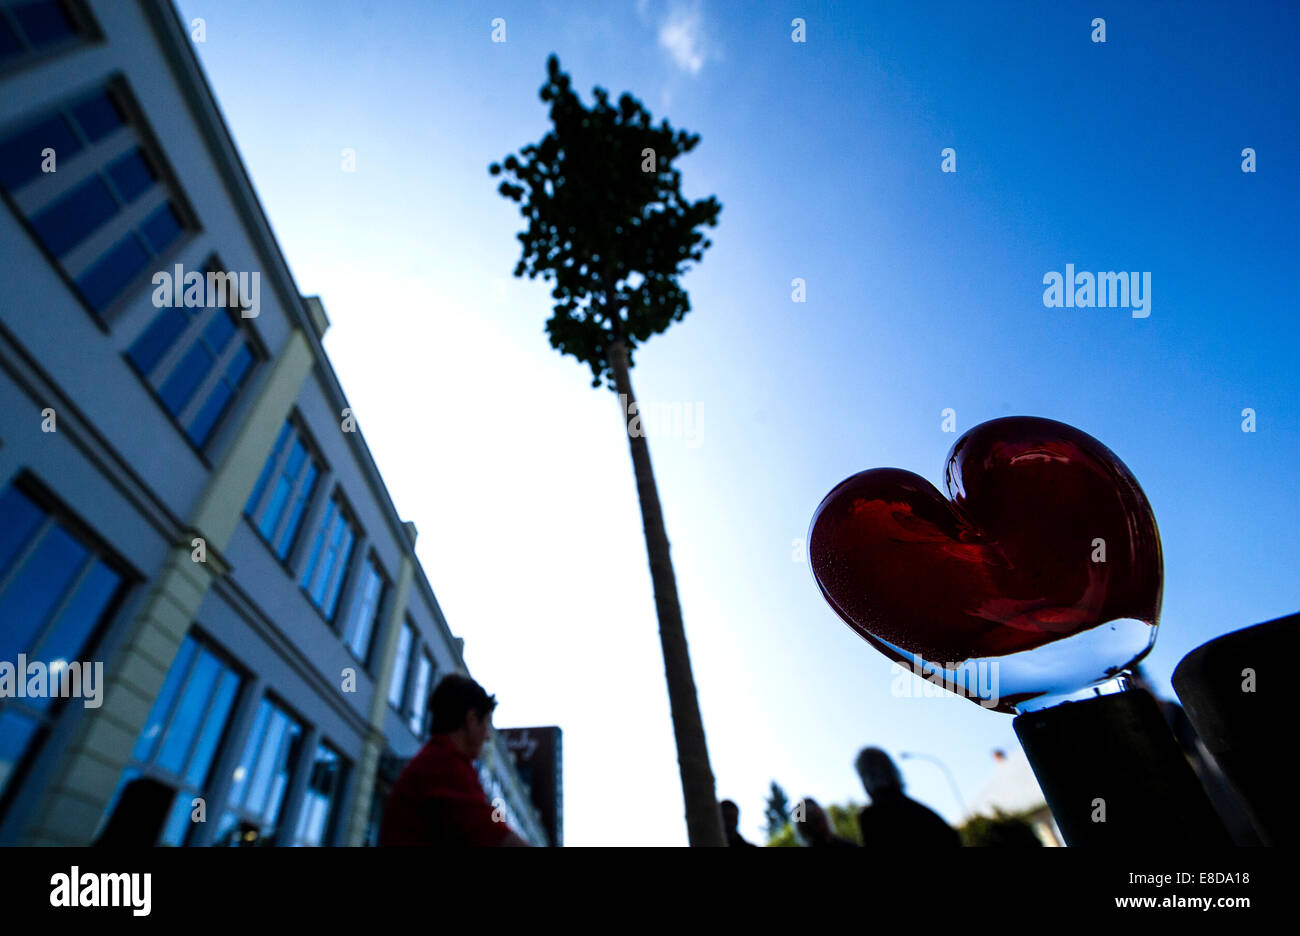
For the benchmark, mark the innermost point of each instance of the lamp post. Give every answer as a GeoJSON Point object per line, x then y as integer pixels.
{"type": "Point", "coordinates": [952, 781]}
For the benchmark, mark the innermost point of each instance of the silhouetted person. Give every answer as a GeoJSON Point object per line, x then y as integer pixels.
{"type": "Point", "coordinates": [437, 799]}
{"type": "Point", "coordinates": [815, 827]}
{"type": "Point", "coordinates": [730, 822]}
{"type": "Point", "coordinates": [893, 818]}
{"type": "Point", "coordinates": [138, 819]}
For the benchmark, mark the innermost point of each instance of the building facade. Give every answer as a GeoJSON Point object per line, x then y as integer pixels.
{"type": "Point", "coordinates": [186, 502]}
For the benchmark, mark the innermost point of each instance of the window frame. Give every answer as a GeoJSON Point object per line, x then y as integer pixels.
{"type": "Point", "coordinates": [408, 626]}
{"type": "Point", "coordinates": [84, 31]}
{"type": "Point", "coordinates": [310, 573]}
{"type": "Point", "coordinates": [193, 333]}
{"type": "Point", "coordinates": [177, 780]}
{"type": "Point", "coordinates": [369, 561]}
{"type": "Point", "coordinates": [419, 697]}
{"type": "Point", "coordinates": [32, 197]}
{"type": "Point", "coordinates": [58, 514]}
{"type": "Point", "coordinates": [293, 759]}
{"type": "Point", "coordinates": [344, 772]}
{"type": "Point", "coordinates": [314, 456]}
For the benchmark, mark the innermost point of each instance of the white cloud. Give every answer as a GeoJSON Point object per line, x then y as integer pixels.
{"type": "Point", "coordinates": [682, 35]}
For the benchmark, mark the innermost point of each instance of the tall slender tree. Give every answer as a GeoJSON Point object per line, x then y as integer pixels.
{"type": "Point", "coordinates": [608, 225]}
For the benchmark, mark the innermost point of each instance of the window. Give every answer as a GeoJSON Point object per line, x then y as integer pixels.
{"type": "Point", "coordinates": [420, 694]}
{"type": "Point", "coordinates": [108, 212]}
{"type": "Point", "coordinates": [401, 664]}
{"type": "Point", "coordinates": [330, 555]}
{"type": "Point", "coordinates": [29, 28]}
{"type": "Point", "coordinates": [316, 820]}
{"type": "Point", "coordinates": [360, 626]}
{"type": "Point", "coordinates": [196, 360]}
{"type": "Point", "coordinates": [183, 732]}
{"type": "Point", "coordinates": [283, 490]}
{"type": "Point", "coordinates": [261, 779]}
{"type": "Point", "coordinates": [56, 592]}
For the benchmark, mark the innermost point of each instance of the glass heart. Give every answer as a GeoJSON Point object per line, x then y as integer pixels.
{"type": "Point", "coordinates": [1038, 576]}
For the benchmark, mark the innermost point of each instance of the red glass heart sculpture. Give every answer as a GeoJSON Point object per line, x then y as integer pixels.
{"type": "Point", "coordinates": [1046, 535]}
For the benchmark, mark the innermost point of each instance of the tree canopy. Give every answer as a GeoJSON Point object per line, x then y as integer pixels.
{"type": "Point", "coordinates": [607, 221]}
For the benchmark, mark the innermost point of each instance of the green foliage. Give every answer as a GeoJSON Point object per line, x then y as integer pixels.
{"type": "Point", "coordinates": [844, 821]}
{"type": "Point", "coordinates": [612, 237]}
{"type": "Point", "coordinates": [785, 837]}
{"type": "Point", "coordinates": [1000, 830]}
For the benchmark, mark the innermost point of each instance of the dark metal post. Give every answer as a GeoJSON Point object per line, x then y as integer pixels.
{"type": "Point", "coordinates": [1237, 690]}
{"type": "Point", "coordinates": [1113, 774]}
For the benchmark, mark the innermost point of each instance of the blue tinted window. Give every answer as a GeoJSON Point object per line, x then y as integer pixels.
{"type": "Point", "coordinates": [44, 22]}
{"type": "Point", "coordinates": [272, 515]}
{"type": "Point", "coordinates": [132, 175]}
{"type": "Point", "coordinates": [99, 116]}
{"type": "Point", "coordinates": [104, 281]}
{"type": "Point", "coordinates": [311, 575]}
{"type": "Point", "coordinates": [20, 155]}
{"type": "Point", "coordinates": [275, 509]}
{"type": "Point", "coordinates": [364, 609]}
{"type": "Point", "coordinates": [150, 347]}
{"type": "Point", "coordinates": [313, 578]}
{"type": "Point", "coordinates": [16, 733]}
{"type": "Point", "coordinates": [185, 379]}
{"type": "Point", "coordinates": [295, 517]}
{"type": "Point", "coordinates": [269, 766]}
{"type": "Point", "coordinates": [162, 706]}
{"type": "Point", "coordinates": [76, 622]}
{"type": "Point", "coordinates": [342, 558]}
{"type": "Point", "coordinates": [260, 785]}
{"type": "Point", "coordinates": [162, 228]}
{"type": "Point", "coordinates": [318, 804]}
{"type": "Point", "coordinates": [296, 457]}
{"type": "Point", "coordinates": [256, 497]}
{"type": "Point", "coordinates": [213, 726]}
{"type": "Point", "coordinates": [75, 216]}
{"type": "Point", "coordinates": [21, 518]}
{"type": "Point", "coordinates": [9, 44]}
{"type": "Point", "coordinates": [38, 587]}
{"type": "Point", "coordinates": [69, 636]}
{"type": "Point", "coordinates": [239, 365]}
{"type": "Point", "coordinates": [219, 332]}
{"type": "Point", "coordinates": [239, 782]}
{"type": "Point", "coordinates": [189, 712]}
{"type": "Point", "coordinates": [206, 418]}
{"type": "Point", "coordinates": [401, 663]}
{"type": "Point", "coordinates": [420, 694]}
{"type": "Point", "coordinates": [295, 480]}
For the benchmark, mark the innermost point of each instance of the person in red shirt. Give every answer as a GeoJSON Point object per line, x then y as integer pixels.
{"type": "Point", "coordinates": [437, 799]}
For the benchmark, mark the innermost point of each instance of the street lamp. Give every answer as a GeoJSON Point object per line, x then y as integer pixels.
{"type": "Point", "coordinates": [952, 781]}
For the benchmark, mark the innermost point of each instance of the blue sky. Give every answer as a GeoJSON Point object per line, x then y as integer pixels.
{"type": "Point", "coordinates": [924, 291]}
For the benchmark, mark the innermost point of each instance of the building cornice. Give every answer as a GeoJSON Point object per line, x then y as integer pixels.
{"type": "Point", "coordinates": [175, 42]}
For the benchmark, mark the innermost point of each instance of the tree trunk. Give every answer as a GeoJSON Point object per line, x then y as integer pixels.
{"type": "Point", "coordinates": [703, 819]}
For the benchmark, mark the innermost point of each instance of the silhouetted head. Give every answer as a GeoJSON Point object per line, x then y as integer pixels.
{"type": "Point", "coordinates": [878, 773]}
{"type": "Point", "coordinates": [811, 822]}
{"type": "Point", "coordinates": [730, 815]}
{"type": "Point", "coordinates": [462, 708]}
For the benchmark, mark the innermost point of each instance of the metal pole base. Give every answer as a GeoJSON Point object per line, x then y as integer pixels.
{"type": "Point", "coordinates": [1113, 774]}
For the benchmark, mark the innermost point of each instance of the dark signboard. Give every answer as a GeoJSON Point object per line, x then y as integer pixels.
{"type": "Point", "coordinates": [539, 760]}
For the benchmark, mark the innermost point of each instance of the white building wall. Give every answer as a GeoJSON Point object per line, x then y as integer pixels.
{"type": "Point", "coordinates": [120, 463]}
